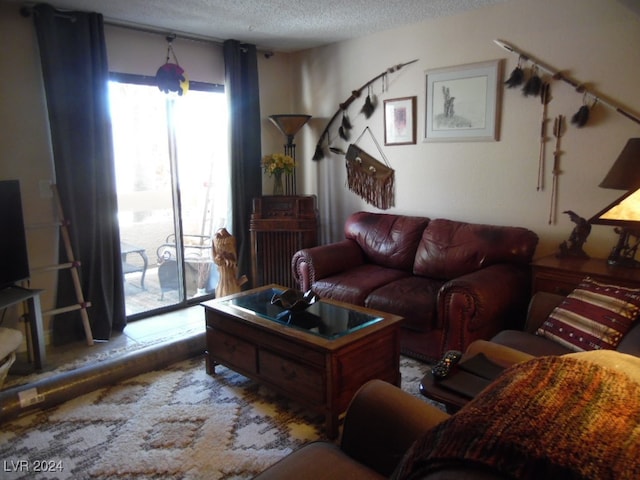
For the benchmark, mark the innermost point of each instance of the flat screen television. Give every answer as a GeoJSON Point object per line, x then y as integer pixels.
{"type": "Point", "coordinates": [14, 260]}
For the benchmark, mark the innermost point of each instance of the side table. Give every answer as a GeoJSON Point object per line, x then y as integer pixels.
{"type": "Point", "coordinates": [11, 296]}
{"type": "Point", "coordinates": [452, 401]}
{"type": "Point", "coordinates": [562, 275]}
{"type": "Point", "coordinates": [472, 375]}
{"type": "Point", "coordinates": [497, 354]}
{"type": "Point", "coordinates": [126, 249]}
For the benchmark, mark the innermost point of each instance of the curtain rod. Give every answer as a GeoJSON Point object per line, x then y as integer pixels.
{"type": "Point", "coordinates": [174, 34]}
{"type": "Point", "coordinates": [159, 31]}
{"type": "Point", "coordinates": [27, 11]}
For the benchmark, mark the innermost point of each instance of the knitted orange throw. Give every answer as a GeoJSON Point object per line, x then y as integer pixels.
{"type": "Point", "coordinates": [552, 417]}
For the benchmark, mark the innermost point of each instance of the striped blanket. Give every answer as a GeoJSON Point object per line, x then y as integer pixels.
{"type": "Point", "coordinates": [551, 417]}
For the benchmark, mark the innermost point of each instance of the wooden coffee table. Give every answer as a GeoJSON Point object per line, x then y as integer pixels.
{"type": "Point", "coordinates": [319, 358]}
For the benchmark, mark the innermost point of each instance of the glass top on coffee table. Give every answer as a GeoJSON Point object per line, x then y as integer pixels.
{"type": "Point", "coordinates": [322, 319]}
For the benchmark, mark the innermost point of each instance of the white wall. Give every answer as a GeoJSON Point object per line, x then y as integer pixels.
{"type": "Point", "coordinates": [24, 137]}
{"type": "Point", "coordinates": [277, 91]}
{"type": "Point", "coordinates": [141, 53]}
{"type": "Point", "coordinates": [593, 41]}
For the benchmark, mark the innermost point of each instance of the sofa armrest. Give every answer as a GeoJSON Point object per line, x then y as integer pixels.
{"type": "Point", "coordinates": [382, 422]}
{"type": "Point", "coordinates": [500, 354]}
{"type": "Point", "coordinates": [540, 306]}
{"type": "Point", "coordinates": [480, 304]}
{"type": "Point", "coordinates": [311, 264]}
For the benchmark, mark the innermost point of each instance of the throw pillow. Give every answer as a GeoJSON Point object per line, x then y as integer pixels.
{"type": "Point", "coordinates": [594, 316]}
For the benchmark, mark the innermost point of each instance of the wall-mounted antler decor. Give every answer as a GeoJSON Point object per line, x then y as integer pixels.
{"type": "Point", "coordinates": [367, 109]}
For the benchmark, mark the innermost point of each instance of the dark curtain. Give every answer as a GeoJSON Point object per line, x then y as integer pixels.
{"type": "Point", "coordinates": [241, 87]}
{"type": "Point", "coordinates": [75, 71]}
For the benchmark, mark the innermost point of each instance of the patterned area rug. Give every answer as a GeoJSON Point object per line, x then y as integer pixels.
{"type": "Point", "coordinates": [176, 423]}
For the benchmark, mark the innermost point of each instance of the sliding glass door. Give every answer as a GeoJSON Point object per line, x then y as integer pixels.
{"type": "Point", "coordinates": [172, 173]}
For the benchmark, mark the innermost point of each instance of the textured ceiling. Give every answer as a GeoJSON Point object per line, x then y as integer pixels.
{"type": "Point", "coordinates": [279, 25]}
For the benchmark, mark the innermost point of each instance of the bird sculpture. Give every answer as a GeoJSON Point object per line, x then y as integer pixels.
{"type": "Point", "coordinates": [573, 246]}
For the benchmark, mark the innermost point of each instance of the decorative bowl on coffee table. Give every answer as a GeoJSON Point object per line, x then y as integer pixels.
{"type": "Point", "coordinates": [294, 300]}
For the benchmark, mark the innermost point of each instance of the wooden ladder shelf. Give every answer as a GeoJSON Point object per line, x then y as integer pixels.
{"type": "Point", "coordinates": [72, 265]}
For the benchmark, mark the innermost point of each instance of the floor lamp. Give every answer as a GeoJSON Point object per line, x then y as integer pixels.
{"type": "Point", "coordinates": [289, 125]}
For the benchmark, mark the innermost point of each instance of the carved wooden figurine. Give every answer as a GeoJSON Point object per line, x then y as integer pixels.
{"type": "Point", "coordinates": [225, 257]}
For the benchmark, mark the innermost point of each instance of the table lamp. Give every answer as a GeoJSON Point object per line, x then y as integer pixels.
{"type": "Point", "coordinates": [624, 212]}
{"type": "Point", "coordinates": [289, 125]}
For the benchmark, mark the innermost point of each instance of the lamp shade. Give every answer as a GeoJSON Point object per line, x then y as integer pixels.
{"type": "Point", "coordinates": [623, 175]}
{"type": "Point", "coordinates": [624, 212]}
{"type": "Point", "coordinates": [289, 124]}
{"type": "Point", "coordinates": [625, 172]}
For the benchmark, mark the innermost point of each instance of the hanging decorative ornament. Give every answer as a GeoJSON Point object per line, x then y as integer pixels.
{"type": "Point", "coordinates": [533, 85]}
{"type": "Point", "coordinates": [319, 153]}
{"type": "Point", "coordinates": [545, 98]}
{"type": "Point", "coordinates": [343, 131]}
{"type": "Point", "coordinates": [581, 117]}
{"type": "Point", "coordinates": [346, 123]}
{"type": "Point", "coordinates": [344, 134]}
{"type": "Point", "coordinates": [517, 76]}
{"type": "Point", "coordinates": [369, 178]}
{"type": "Point", "coordinates": [369, 104]}
{"type": "Point", "coordinates": [171, 77]}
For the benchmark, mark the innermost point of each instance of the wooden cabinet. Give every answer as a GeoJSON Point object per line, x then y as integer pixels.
{"type": "Point", "coordinates": [280, 226]}
{"type": "Point", "coordinates": [562, 275]}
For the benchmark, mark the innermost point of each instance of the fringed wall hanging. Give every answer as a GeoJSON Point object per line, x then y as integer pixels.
{"type": "Point", "coordinates": [369, 178]}
{"type": "Point", "coordinates": [367, 109]}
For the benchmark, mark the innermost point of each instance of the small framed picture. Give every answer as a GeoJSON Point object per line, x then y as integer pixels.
{"type": "Point", "coordinates": [462, 103]}
{"type": "Point", "coordinates": [400, 121]}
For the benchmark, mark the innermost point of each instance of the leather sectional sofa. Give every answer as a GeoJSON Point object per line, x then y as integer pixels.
{"type": "Point", "coordinates": [525, 340]}
{"type": "Point", "coordinates": [453, 282]}
{"type": "Point", "coordinates": [515, 428]}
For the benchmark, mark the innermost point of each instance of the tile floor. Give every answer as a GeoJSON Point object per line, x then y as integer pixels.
{"type": "Point", "coordinates": [166, 325]}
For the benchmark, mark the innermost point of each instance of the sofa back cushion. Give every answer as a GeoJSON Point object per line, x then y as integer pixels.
{"type": "Point", "coordinates": [387, 240]}
{"type": "Point", "coordinates": [449, 249]}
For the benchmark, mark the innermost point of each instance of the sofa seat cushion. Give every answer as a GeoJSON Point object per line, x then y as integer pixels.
{"type": "Point", "coordinates": [529, 343]}
{"type": "Point", "coordinates": [354, 285]}
{"type": "Point", "coordinates": [419, 301]}
{"type": "Point", "coordinates": [318, 461]}
{"type": "Point", "coordinates": [594, 316]}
